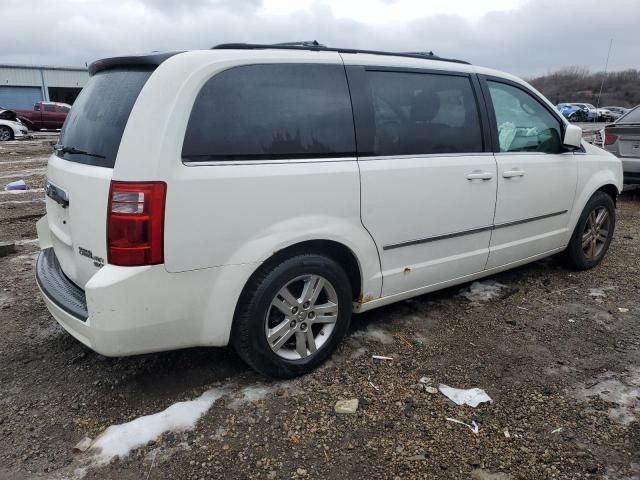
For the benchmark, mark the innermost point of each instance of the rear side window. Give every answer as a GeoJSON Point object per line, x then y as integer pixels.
{"type": "Point", "coordinates": [258, 112]}
{"type": "Point", "coordinates": [422, 114]}
{"type": "Point", "coordinates": [96, 121]}
{"type": "Point", "coordinates": [523, 124]}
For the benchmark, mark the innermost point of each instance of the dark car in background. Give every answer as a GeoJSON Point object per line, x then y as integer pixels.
{"type": "Point", "coordinates": [616, 112]}
{"type": "Point", "coordinates": [622, 138]}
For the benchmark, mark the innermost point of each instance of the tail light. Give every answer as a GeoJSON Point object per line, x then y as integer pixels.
{"type": "Point", "coordinates": [135, 223]}
{"type": "Point", "coordinates": [610, 138]}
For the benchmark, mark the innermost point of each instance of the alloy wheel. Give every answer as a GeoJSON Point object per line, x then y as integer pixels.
{"type": "Point", "coordinates": [301, 317]}
{"type": "Point", "coordinates": [5, 134]}
{"type": "Point", "coordinates": [596, 232]}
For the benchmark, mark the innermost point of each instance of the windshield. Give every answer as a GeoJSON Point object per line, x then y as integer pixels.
{"type": "Point", "coordinates": [98, 117]}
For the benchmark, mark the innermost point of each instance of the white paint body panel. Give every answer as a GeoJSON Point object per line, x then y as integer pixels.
{"type": "Point", "coordinates": [223, 221]}
{"type": "Point", "coordinates": [415, 198]}
{"type": "Point", "coordinates": [547, 187]}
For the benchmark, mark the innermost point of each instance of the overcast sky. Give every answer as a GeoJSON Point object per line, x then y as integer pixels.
{"type": "Point", "coordinates": [525, 37]}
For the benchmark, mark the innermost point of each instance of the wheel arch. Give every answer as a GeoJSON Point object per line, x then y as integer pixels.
{"type": "Point", "coordinates": [611, 190]}
{"type": "Point", "coordinates": [602, 182]}
{"type": "Point", "coordinates": [333, 249]}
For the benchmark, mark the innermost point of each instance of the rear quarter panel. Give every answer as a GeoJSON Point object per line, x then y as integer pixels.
{"type": "Point", "coordinates": [238, 214]}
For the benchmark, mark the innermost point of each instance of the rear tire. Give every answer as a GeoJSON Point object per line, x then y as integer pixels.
{"type": "Point", "coordinates": [291, 316]}
{"type": "Point", "coordinates": [593, 233]}
{"type": "Point", "coordinates": [6, 133]}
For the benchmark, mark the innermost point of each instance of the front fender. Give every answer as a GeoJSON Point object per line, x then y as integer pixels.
{"type": "Point", "coordinates": [596, 169]}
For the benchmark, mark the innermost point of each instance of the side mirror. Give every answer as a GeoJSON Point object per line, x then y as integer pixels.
{"type": "Point", "coordinates": [572, 136]}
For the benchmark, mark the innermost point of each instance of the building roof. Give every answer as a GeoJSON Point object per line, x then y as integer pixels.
{"type": "Point", "coordinates": [43, 67]}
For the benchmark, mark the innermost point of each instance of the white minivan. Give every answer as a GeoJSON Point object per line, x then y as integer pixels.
{"type": "Point", "coordinates": [259, 194]}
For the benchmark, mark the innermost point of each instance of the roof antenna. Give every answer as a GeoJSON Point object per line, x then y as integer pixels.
{"type": "Point", "coordinates": [604, 76]}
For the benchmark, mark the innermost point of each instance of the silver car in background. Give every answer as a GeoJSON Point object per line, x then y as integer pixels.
{"type": "Point", "coordinates": [616, 112]}
{"type": "Point", "coordinates": [622, 138]}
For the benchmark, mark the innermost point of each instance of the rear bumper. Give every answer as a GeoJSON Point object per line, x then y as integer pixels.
{"type": "Point", "coordinates": [631, 167]}
{"type": "Point", "coordinates": [632, 178]}
{"type": "Point", "coordinates": [55, 286]}
{"type": "Point", "coordinates": [133, 310]}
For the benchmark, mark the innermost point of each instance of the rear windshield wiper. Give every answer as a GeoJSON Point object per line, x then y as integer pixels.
{"type": "Point", "coordinates": [75, 151]}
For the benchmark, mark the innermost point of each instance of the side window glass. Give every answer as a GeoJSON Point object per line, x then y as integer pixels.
{"type": "Point", "coordinates": [524, 125]}
{"type": "Point", "coordinates": [65, 109]}
{"type": "Point", "coordinates": [36, 107]}
{"type": "Point", "coordinates": [271, 111]}
{"type": "Point", "coordinates": [49, 108]}
{"type": "Point", "coordinates": [422, 113]}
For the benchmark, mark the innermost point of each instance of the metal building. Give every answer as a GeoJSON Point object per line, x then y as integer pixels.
{"type": "Point", "coordinates": [23, 85]}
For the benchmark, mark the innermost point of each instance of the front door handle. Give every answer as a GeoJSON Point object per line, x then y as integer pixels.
{"type": "Point", "coordinates": [479, 175]}
{"type": "Point", "coordinates": [513, 173]}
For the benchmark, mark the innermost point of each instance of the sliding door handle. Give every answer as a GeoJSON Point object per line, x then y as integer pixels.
{"type": "Point", "coordinates": [513, 173]}
{"type": "Point", "coordinates": [479, 175]}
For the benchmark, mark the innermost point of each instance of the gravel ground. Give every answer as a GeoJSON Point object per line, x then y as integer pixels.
{"type": "Point", "coordinates": [557, 351]}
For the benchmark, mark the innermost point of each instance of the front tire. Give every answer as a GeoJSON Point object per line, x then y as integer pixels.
{"type": "Point", "coordinates": [5, 133]}
{"type": "Point", "coordinates": [291, 316]}
{"type": "Point", "coordinates": [593, 233]}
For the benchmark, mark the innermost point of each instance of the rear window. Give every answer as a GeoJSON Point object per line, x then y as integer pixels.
{"type": "Point", "coordinates": [632, 117]}
{"type": "Point", "coordinates": [258, 112]}
{"type": "Point", "coordinates": [99, 115]}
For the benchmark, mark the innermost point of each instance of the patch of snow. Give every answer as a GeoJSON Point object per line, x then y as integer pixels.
{"type": "Point", "coordinates": [19, 202]}
{"type": "Point", "coordinates": [51, 329]}
{"type": "Point", "coordinates": [220, 432]}
{"type": "Point", "coordinates": [28, 241]}
{"type": "Point", "coordinates": [121, 439]}
{"type": "Point", "coordinates": [359, 352]}
{"type": "Point", "coordinates": [17, 192]}
{"type": "Point", "coordinates": [28, 258]}
{"type": "Point", "coordinates": [600, 292]}
{"type": "Point", "coordinates": [483, 291]}
{"type": "Point", "coordinates": [374, 333]}
{"type": "Point", "coordinates": [420, 338]}
{"type": "Point", "coordinates": [250, 394]}
{"type": "Point", "coordinates": [623, 391]}
{"type": "Point", "coordinates": [30, 172]}
{"type": "Point", "coordinates": [163, 454]}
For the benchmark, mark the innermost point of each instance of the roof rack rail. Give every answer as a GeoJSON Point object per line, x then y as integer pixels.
{"type": "Point", "coordinates": [421, 54]}
{"type": "Point", "coordinates": [303, 43]}
{"type": "Point", "coordinates": [313, 45]}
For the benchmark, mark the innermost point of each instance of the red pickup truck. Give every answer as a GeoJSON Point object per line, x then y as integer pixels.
{"type": "Point", "coordinates": [44, 115]}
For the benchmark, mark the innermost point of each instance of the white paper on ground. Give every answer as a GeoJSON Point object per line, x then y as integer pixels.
{"type": "Point", "coordinates": [472, 397]}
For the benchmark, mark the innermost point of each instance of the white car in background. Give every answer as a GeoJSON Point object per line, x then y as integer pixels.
{"type": "Point", "coordinates": [10, 126]}
{"type": "Point", "coordinates": [259, 194]}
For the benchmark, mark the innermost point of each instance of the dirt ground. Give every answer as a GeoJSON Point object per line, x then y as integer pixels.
{"type": "Point", "coordinates": [558, 351]}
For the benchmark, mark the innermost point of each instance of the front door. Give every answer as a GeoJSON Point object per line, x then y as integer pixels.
{"type": "Point", "coordinates": [536, 178]}
{"type": "Point", "coordinates": [427, 185]}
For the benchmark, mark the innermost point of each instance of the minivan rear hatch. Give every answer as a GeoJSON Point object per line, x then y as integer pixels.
{"type": "Point", "coordinates": [79, 172]}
